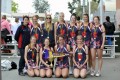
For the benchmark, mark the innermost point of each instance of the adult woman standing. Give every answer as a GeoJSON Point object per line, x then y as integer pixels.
{"type": "Point", "coordinates": [22, 36]}
{"type": "Point", "coordinates": [72, 32]}
{"type": "Point", "coordinates": [85, 31]}
{"type": "Point", "coordinates": [36, 31]}
{"type": "Point", "coordinates": [48, 30]}
{"type": "Point", "coordinates": [97, 45]}
{"type": "Point", "coordinates": [45, 68]}
{"type": "Point", "coordinates": [80, 58]}
{"type": "Point", "coordinates": [61, 27]}
{"type": "Point", "coordinates": [31, 58]}
{"type": "Point", "coordinates": [62, 64]}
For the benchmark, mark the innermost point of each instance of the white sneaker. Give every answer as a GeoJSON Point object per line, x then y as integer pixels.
{"type": "Point", "coordinates": [98, 74]}
{"type": "Point", "coordinates": [92, 73]}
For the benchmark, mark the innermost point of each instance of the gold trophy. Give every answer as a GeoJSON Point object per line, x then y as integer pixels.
{"type": "Point", "coordinates": [51, 58]}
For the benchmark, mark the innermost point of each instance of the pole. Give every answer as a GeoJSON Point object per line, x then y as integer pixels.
{"type": "Point", "coordinates": [89, 9]}
{"type": "Point", "coordinates": [83, 6]}
{"type": "Point", "coordinates": [101, 11]}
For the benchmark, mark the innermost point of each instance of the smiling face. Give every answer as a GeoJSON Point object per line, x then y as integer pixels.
{"type": "Point", "coordinates": [61, 40]}
{"type": "Point", "coordinates": [46, 42]}
{"type": "Point", "coordinates": [35, 20]}
{"type": "Point", "coordinates": [48, 18]}
{"type": "Point", "coordinates": [73, 19]}
{"type": "Point", "coordinates": [33, 40]}
{"type": "Point", "coordinates": [96, 20]}
{"type": "Point", "coordinates": [79, 39]}
{"type": "Point", "coordinates": [85, 18]}
{"type": "Point", "coordinates": [61, 16]}
{"type": "Point", "coordinates": [26, 21]}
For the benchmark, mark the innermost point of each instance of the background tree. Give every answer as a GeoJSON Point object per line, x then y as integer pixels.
{"type": "Point", "coordinates": [41, 6]}
{"type": "Point", "coordinates": [75, 7]}
{"type": "Point", "coordinates": [55, 19]}
{"type": "Point", "coordinates": [14, 7]}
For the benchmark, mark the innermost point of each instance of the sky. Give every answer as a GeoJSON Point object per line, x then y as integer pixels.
{"type": "Point", "coordinates": [25, 6]}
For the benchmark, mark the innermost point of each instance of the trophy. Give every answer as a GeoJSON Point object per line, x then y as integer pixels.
{"type": "Point", "coordinates": [48, 55]}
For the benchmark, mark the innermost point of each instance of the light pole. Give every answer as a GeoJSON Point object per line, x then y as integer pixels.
{"type": "Point", "coordinates": [89, 8]}
{"type": "Point", "coordinates": [83, 4]}
{"type": "Point", "coordinates": [101, 11]}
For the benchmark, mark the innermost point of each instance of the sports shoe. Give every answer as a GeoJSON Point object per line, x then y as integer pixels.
{"type": "Point", "coordinates": [92, 73]}
{"type": "Point", "coordinates": [98, 74]}
{"type": "Point", "coordinates": [21, 74]}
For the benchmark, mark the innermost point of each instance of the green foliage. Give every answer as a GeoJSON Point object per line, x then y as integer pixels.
{"type": "Point", "coordinates": [41, 6]}
{"type": "Point", "coordinates": [75, 7]}
{"type": "Point", "coordinates": [14, 7]}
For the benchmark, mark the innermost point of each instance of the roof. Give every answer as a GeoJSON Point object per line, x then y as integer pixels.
{"type": "Point", "coordinates": [28, 14]}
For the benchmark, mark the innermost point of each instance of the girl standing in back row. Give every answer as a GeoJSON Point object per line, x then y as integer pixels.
{"type": "Point", "coordinates": [72, 32]}
{"type": "Point", "coordinates": [48, 30]}
{"type": "Point", "coordinates": [97, 45]}
{"type": "Point", "coordinates": [85, 31]}
{"type": "Point", "coordinates": [61, 27]}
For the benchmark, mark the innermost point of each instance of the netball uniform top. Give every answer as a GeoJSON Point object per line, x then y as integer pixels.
{"type": "Point", "coordinates": [80, 56]}
{"type": "Point", "coordinates": [62, 62]}
{"type": "Point", "coordinates": [61, 29]}
{"type": "Point", "coordinates": [72, 33]}
{"type": "Point", "coordinates": [96, 38]}
{"type": "Point", "coordinates": [48, 33]}
{"type": "Point", "coordinates": [31, 56]}
{"type": "Point", "coordinates": [37, 33]}
{"type": "Point", "coordinates": [42, 66]}
{"type": "Point", "coordinates": [86, 34]}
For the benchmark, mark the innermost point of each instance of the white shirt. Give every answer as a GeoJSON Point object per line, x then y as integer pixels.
{"type": "Point", "coordinates": [14, 27]}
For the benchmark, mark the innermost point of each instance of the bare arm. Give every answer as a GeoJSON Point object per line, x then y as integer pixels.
{"type": "Point", "coordinates": [37, 58]}
{"type": "Point", "coordinates": [86, 51]}
{"type": "Point", "coordinates": [74, 56]}
{"type": "Point", "coordinates": [103, 35]}
{"type": "Point", "coordinates": [25, 56]}
{"type": "Point", "coordinates": [55, 30]}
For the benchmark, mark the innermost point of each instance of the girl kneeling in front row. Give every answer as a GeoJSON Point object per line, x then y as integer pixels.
{"type": "Point", "coordinates": [62, 64]}
{"type": "Point", "coordinates": [80, 58]}
{"type": "Point", "coordinates": [45, 68]}
{"type": "Point", "coordinates": [31, 58]}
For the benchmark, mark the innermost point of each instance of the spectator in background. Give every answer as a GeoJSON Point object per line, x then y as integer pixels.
{"type": "Point", "coordinates": [15, 25]}
{"type": "Point", "coordinates": [5, 29]}
{"type": "Point", "coordinates": [110, 28]}
{"type": "Point", "coordinates": [22, 36]}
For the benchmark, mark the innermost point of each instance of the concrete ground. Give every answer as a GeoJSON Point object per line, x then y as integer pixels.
{"type": "Point", "coordinates": [110, 71]}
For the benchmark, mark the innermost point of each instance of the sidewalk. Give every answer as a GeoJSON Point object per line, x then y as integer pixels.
{"type": "Point", "coordinates": [110, 71]}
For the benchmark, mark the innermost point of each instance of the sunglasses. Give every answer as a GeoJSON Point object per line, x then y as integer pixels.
{"type": "Point", "coordinates": [48, 18]}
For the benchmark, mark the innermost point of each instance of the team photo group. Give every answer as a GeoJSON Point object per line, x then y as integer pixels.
{"type": "Point", "coordinates": [61, 48]}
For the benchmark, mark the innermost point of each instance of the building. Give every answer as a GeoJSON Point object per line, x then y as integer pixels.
{"type": "Point", "coordinates": [20, 15]}
{"type": "Point", "coordinates": [110, 8]}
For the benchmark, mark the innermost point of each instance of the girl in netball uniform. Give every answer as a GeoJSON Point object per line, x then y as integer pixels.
{"type": "Point", "coordinates": [72, 32]}
{"type": "Point", "coordinates": [62, 64]}
{"type": "Point", "coordinates": [97, 45]}
{"type": "Point", "coordinates": [80, 58]}
{"type": "Point", "coordinates": [45, 68]}
{"type": "Point", "coordinates": [61, 27]}
{"type": "Point", "coordinates": [31, 58]}
{"type": "Point", "coordinates": [48, 30]}
{"type": "Point", "coordinates": [36, 31]}
{"type": "Point", "coordinates": [85, 31]}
